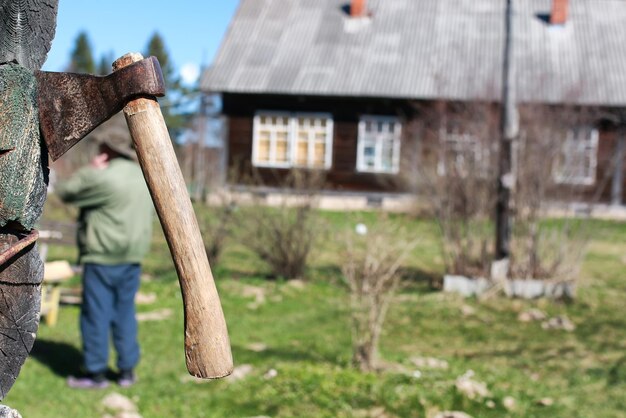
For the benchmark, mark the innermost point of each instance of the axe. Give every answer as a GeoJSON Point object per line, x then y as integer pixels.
{"type": "Point", "coordinates": [71, 106]}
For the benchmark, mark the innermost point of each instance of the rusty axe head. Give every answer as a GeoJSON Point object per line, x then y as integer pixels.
{"type": "Point", "coordinates": [72, 105]}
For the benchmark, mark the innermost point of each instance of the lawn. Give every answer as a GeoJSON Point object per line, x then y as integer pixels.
{"type": "Point", "coordinates": [291, 344]}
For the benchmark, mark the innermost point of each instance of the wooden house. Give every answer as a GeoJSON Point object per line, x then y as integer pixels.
{"type": "Point", "coordinates": [348, 87]}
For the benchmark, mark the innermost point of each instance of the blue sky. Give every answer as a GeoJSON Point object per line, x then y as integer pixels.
{"type": "Point", "coordinates": [192, 29]}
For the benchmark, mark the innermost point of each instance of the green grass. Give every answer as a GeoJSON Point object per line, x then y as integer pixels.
{"type": "Point", "coordinates": [307, 337]}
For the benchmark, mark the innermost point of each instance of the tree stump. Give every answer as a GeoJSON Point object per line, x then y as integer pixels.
{"type": "Point", "coordinates": [26, 31]}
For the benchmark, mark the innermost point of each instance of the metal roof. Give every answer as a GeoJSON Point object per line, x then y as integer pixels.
{"type": "Point", "coordinates": [423, 49]}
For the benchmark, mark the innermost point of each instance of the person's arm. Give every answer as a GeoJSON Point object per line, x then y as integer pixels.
{"type": "Point", "coordinates": [84, 189]}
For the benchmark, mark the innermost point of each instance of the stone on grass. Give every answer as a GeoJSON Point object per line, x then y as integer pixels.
{"type": "Point", "coordinates": [375, 412]}
{"type": "Point", "coordinates": [257, 347]}
{"type": "Point", "coordinates": [7, 412]}
{"type": "Point", "coordinates": [509, 403]}
{"type": "Point", "coordinates": [120, 406]}
{"type": "Point", "coordinates": [145, 298]}
{"type": "Point", "coordinates": [467, 310]}
{"type": "Point", "coordinates": [297, 283]}
{"type": "Point", "coordinates": [470, 388]}
{"type": "Point", "coordinates": [545, 402]}
{"type": "Point", "coordinates": [118, 402]}
{"type": "Point", "coordinates": [465, 286]}
{"type": "Point", "coordinates": [429, 363]}
{"type": "Point", "coordinates": [187, 378]}
{"type": "Point", "coordinates": [256, 292]}
{"type": "Point", "coordinates": [240, 372]}
{"type": "Point", "coordinates": [123, 414]}
{"type": "Point", "coordinates": [452, 414]}
{"type": "Point", "coordinates": [271, 373]}
{"type": "Point", "coordinates": [531, 315]}
{"type": "Point", "coordinates": [158, 315]}
{"type": "Point", "coordinates": [560, 322]}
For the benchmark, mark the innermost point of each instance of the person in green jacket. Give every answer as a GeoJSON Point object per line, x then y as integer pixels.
{"type": "Point", "coordinates": [114, 234]}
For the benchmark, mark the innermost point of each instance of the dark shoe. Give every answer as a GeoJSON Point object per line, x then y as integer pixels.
{"type": "Point", "coordinates": [88, 381]}
{"type": "Point", "coordinates": [126, 378]}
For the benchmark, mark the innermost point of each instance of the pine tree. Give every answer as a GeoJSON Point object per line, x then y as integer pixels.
{"type": "Point", "coordinates": [81, 60]}
{"type": "Point", "coordinates": [156, 47]}
{"type": "Point", "coordinates": [172, 104]}
{"type": "Point", "coordinates": [105, 63]}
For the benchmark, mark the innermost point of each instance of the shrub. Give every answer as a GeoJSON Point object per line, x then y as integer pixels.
{"type": "Point", "coordinates": [372, 271]}
{"type": "Point", "coordinates": [284, 235]}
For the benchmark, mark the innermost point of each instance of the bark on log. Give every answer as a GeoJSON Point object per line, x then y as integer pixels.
{"type": "Point", "coordinates": [26, 31]}
{"type": "Point", "coordinates": [23, 171]}
{"type": "Point", "coordinates": [20, 302]}
{"type": "Point", "coordinates": [27, 28]}
{"type": "Point", "coordinates": [23, 180]}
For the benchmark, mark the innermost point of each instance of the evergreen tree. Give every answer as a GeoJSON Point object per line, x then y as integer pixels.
{"type": "Point", "coordinates": [105, 64]}
{"type": "Point", "coordinates": [156, 47]}
{"type": "Point", "coordinates": [172, 105]}
{"type": "Point", "coordinates": [81, 60]}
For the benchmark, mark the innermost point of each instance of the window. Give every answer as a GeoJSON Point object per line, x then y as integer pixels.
{"type": "Point", "coordinates": [287, 140]}
{"type": "Point", "coordinates": [379, 144]}
{"type": "Point", "coordinates": [462, 152]}
{"type": "Point", "coordinates": [578, 157]}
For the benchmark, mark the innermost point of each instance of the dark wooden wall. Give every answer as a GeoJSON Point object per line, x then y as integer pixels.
{"type": "Point", "coordinates": [342, 175]}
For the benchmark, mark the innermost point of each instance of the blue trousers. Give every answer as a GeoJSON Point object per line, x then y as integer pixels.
{"type": "Point", "coordinates": [109, 305]}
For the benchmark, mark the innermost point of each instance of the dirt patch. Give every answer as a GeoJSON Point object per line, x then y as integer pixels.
{"type": "Point", "coordinates": [158, 315]}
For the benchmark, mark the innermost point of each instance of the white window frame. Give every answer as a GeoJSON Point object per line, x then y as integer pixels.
{"type": "Point", "coordinates": [585, 140]}
{"type": "Point", "coordinates": [395, 137]}
{"type": "Point", "coordinates": [292, 138]}
{"type": "Point", "coordinates": [461, 143]}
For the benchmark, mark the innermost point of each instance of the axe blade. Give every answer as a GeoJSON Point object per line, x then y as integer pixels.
{"type": "Point", "coordinates": [72, 105]}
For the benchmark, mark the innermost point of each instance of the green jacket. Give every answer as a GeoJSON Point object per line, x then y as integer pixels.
{"type": "Point", "coordinates": [115, 222]}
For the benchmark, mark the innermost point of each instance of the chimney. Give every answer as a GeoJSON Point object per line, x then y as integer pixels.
{"type": "Point", "coordinates": [559, 12]}
{"type": "Point", "coordinates": [358, 8]}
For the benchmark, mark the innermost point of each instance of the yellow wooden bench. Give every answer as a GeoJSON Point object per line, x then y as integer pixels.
{"type": "Point", "coordinates": [55, 274]}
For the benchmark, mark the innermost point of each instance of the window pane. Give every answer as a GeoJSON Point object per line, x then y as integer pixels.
{"type": "Point", "coordinates": [319, 157]}
{"type": "Point", "coordinates": [282, 151]}
{"type": "Point", "coordinates": [378, 140]}
{"type": "Point", "coordinates": [282, 136]}
{"type": "Point", "coordinates": [301, 153]}
{"type": "Point", "coordinates": [578, 157]}
{"type": "Point", "coordinates": [387, 156]}
{"type": "Point", "coordinates": [263, 153]}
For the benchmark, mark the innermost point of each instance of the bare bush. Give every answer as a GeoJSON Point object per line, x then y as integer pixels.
{"type": "Point", "coordinates": [456, 173]}
{"type": "Point", "coordinates": [457, 170]}
{"type": "Point", "coordinates": [216, 223]}
{"type": "Point", "coordinates": [372, 271]}
{"type": "Point", "coordinates": [542, 249]}
{"type": "Point", "coordinates": [283, 234]}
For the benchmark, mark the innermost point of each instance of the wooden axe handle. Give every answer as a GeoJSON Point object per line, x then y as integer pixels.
{"type": "Point", "coordinates": [207, 346]}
